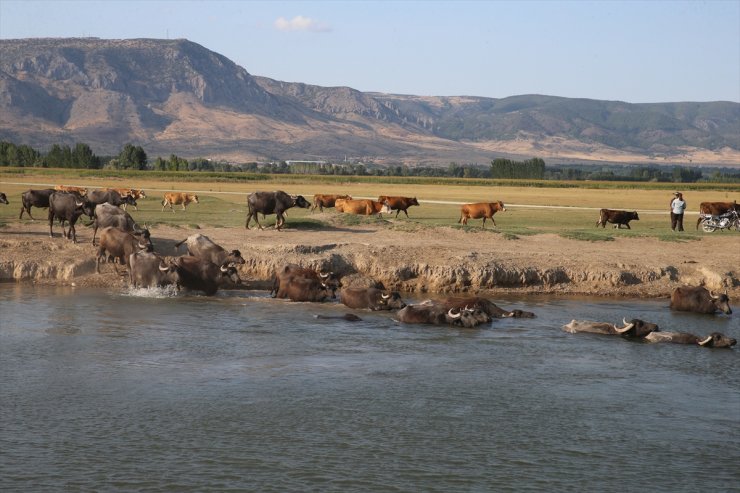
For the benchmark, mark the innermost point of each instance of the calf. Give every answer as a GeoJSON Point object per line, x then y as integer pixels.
{"type": "Point", "coordinates": [484, 210]}
{"type": "Point", "coordinates": [178, 198]}
{"type": "Point", "coordinates": [398, 204]}
{"type": "Point", "coordinates": [618, 218]}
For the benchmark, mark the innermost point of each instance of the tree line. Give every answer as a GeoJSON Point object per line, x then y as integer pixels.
{"type": "Point", "coordinates": [135, 157]}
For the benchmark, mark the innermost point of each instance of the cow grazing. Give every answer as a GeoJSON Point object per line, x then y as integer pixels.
{"type": "Point", "coordinates": [148, 270]}
{"type": "Point", "coordinates": [713, 340]}
{"type": "Point", "coordinates": [68, 207]}
{"type": "Point", "coordinates": [284, 277]}
{"type": "Point", "coordinates": [3, 199]}
{"type": "Point", "coordinates": [107, 215]}
{"type": "Point", "coordinates": [436, 314]}
{"type": "Point", "coordinates": [178, 198]}
{"type": "Point", "coordinates": [371, 299]}
{"type": "Point", "coordinates": [109, 196]}
{"type": "Point", "coordinates": [635, 328]}
{"type": "Point", "coordinates": [272, 203]}
{"type": "Point", "coordinates": [321, 201]}
{"type": "Point", "coordinates": [715, 209]}
{"type": "Point", "coordinates": [618, 218]}
{"type": "Point", "coordinates": [481, 210]}
{"type": "Point", "coordinates": [398, 204]}
{"type": "Point", "coordinates": [201, 275]}
{"type": "Point", "coordinates": [487, 306]}
{"type": "Point", "coordinates": [81, 191]}
{"type": "Point", "coordinates": [199, 245]}
{"type": "Point", "coordinates": [35, 198]}
{"type": "Point", "coordinates": [363, 207]}
{"type": "Point", "coordinates": [699, 300]}
{"type": "Point", "coordinates": [119, 245]}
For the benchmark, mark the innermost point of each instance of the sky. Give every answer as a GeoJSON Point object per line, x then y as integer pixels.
{"type": "Point", "coordinates": [633, 51]}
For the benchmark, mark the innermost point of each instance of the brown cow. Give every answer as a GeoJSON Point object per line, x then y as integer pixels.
{"type": "Point", "coordinates": [398, 204]}
{"type": "Point", "coordinates": [484, 210]}
{"type": "Point", "coordinates": [78, 190]}
{"type": "Point", "coordinates": [715, 209]}
{"type": "Point", "coordinates": [175, 198]}
{"type": "Point", "coordinates": [321, 201]}
{"type": "Point", "coordinates": [364, 207]}
{"type": "Point", "coordinates": [618, 218]}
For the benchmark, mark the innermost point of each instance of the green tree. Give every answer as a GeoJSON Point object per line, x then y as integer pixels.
{"type": "Point", "coordinates": [132, 157]}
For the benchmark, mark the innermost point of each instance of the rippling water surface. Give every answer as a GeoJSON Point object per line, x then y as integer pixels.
{"type": "Point", "coordinates": [148, 391]}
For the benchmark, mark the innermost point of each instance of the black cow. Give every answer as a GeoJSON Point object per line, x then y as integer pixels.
{"type": "Point", "coordinates": [714, 340]}
{"type": "Point", "coordinates": [635, 328]}
{"type": "Point", "coordinates": [699, 300]}
{"type": "Point", "coordinates": [616, 217]}
{"type": "Point", "coordinates": [437, 314]}
{"type": "Point", "coordinates": [35, 198]}
{"type": "Point", "coordinates": [272, 203]}
{"type": "Point", "coordinates": [371, 298]}
{"type": "Point", "coordinates": [68, 207]}
{"type": "Point", "coordinates": [147, 269]}
{"type": "Point", "coordinates": [110, 196]}
{"type": "Point", "coordinates": [3, 198]}
{"type": "Point", "coordinates": [199, 245]}
{"type": "Point", "coordinates": [107, 215]}
{"type": "Point", "coordinates": [487, 306]}
{"type": "Point", "coordinates": [303, 289]}
{"type": "Point", "coordinates": [120, 245]}
{"type": "Point", "coordinates": [202, 275]}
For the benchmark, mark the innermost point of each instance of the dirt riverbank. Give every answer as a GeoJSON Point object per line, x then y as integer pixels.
{"type": "Point", "coordinates": [433, 260]}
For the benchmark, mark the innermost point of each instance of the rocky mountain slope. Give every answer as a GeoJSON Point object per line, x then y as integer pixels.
{"type": "Point", "coordinates": [177, 96]}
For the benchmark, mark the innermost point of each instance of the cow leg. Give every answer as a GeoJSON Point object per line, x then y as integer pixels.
{"type": "Point", "coordinates": [101, 254]}
{"type": "Point", "coordinates": [51, 223]}
{"type": "Point", "coordinates": [397, 211]}
{"type": "Point", "coordinates": [628, 225]}
{"type": "Point", "coordinates": [280, 221]}
{"type": "Point", "coordinates": [406, 212]}
{"type": "Point", "coordinates": [73, 231]}
{"type": "Point", "coordinates": [183, 206]}
{"type": "Point", "coordinates": [484, 222]}
{"type": "Point", "coordinates": [249, 218]}
{"type": "Point", "coordinates": [493, 221]}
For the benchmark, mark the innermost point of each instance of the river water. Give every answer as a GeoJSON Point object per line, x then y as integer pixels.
{"type": "Point", "coordinates": [103, 390]}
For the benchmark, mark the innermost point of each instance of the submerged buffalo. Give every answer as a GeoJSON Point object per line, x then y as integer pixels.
{"type": "Point", "coordinates": [713, 340]}
{"type": "Point", "coordinates": [203, 275]}
{"type": "Point", "coordinates": [148, 270]}
{"type": "Point", "coordinates": [272, 203]}
{"type": "Point", "coordinates": [487, 306]}
{"type": "Point", "coordinates": [635, 328]}
{"type": "Point", "coordinates": [325, 281]}
{"type": "Point", "coordinates": [431, 313]}
{"type": "Point", "coordinates": [371, 298]}
{"type": "Point", "coordinates": [699, 300]}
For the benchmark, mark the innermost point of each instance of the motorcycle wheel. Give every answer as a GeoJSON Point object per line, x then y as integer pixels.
{"type": "Point", "coordinates": [708, 227]}
{"type": "Point", "coordinates": [737, 225]}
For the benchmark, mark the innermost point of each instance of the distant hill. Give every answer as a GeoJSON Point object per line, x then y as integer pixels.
{"type": "Point", "coordinates": [175, 96]}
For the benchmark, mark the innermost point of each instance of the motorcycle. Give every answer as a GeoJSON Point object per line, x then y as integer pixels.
{"type": "Point", "coordinates": [728, 220]}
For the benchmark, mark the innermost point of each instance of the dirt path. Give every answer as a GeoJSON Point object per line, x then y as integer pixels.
{"type": "Point", "coordinates": [418, 260]}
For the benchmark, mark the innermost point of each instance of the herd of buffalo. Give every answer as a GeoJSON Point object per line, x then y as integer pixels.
{"type": "Point", "coordinates": [207, 266]}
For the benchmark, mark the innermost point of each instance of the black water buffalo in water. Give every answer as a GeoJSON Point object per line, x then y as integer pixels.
{"type": "Point", "coordinates": [35, 198]}
{"type": "Point", "coordinates": [699, 300]}
{"type": "Point", "coordinates": [107, 215]}
{"type": "Point", "coordinates": [371, 298]}
{"type": "Point", "coordinates": [147, 269]}
{"type": "Point", "coordinates": [3, 198]}
{"type": "Point", "coordinates": [199, 245]}
{"type": "Point", "coordinates": [68, 207]}
{"type": "Point", "coordinates": [618, 218]}
{"type": "Point", "coordinates": [714, 340]}
{"type": "Point", "coordinates": [437, 314]}
{"type": "Point", "coordinates": [635, 328]}
{"type": "Point", "coordinates": [283, 277]}
{"type": "Point", "coordinates": [487, 306]}
{"type": "Point", "coordinates": [199, 274]}
{"type": "Point", "coordinates": [120, 245]}
{"type": "Point", "coordinates": [110, 196]}
{"type": "Point", "coordinates": [272, 203]}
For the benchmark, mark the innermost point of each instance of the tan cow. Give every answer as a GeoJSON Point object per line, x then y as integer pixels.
{"type": "Point", "coordinates": [364, 207]}
{"type": "Point", "coordinates": [78, 190]}
{"type": "Point", "coordinates": [481, 210]}
{"type": "Point", "coordinates": [322, 200]}
{"type": "Point", "coordinates": [175, 198]}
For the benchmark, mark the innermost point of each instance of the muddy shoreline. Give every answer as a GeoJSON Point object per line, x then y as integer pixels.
{"type": "Point", "coordinates": [431, 260]}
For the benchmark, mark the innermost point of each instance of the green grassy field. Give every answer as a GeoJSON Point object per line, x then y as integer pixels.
{"type": "Point", "coordinates": [223, 203]}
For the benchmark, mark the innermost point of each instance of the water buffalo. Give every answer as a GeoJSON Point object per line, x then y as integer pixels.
{"type": "Point", "coordinates": [484, 210]}
{"type": "Point", "coordinates": [68, 207]}
{"type": "Point", "coordinates": [147, 270]}
{"type": "Point", "coordinates": [487, 306]}
{"type": "Point", "coordinates": [699, 300]}
{"type": "Point", "coordinates": [107, 215]}
{"type": "Point", "coordinates": [272, 203]}
{"type": "Point", "coordinates": [177, 198]}
{"type": "Point", "coordinates": [362, 207]}
{"type": "Point", "coordinates": [398, 204]}
{"type": "Point", "coordinates": [349, 317]}
{"type": "Point", "coordinates": [203, 275]}
{"type": "Point", "coordinates": [119, 245]}
{"type": "Point", "coordinates": [715, 209]}
{"type": "Point", "coordinates": [3, 199]}
{"type": "Point", "coordinates": [436, 314]}
{"type": "Point", "coordinates": [199, 245]}
{"type": "Point", "coordinates": [303, 289]}
{"type": "Point", "coordinates": [109, 196]}
{"type": "Point", "coordinates": [714, 340]}
{"type": "Point", "coordinates": [371, 298]}
{"type": "Point", "coordinates": [285, 276]}
{"type": "Point", "coordinates": [35, 198]}
{"type": "Point", "coordinates": [323, 200]}
{"type": "Point", "coordinates": [618, 218]}
{"type": "Point", "coordinates": [635, 328]}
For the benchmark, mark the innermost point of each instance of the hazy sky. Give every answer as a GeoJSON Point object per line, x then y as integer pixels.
{"type": "Point", "coordinates": [655, 51]}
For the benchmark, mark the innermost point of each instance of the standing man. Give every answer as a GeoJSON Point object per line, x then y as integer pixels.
{"type": "Point", "coordinates": [678, 206]}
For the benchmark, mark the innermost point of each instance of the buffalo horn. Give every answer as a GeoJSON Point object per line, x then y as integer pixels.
{"type": "Point", "coordinates": [714, 296]}
{"type": "Point", "coordinates": [626, 327]}
{"type": "Point", "coordinates": [324, 276]}
{"type": "Point", "coordinates": [163, 267]}
{"type": "Point", "coordinates": [452, 315]}
{"type": "Point", "coordinates": [705, 341]}
{"type": "Point", "coordinates": [224, 268]}
{"type": "Point", "coordinates": [79, 204]}
{"type": "Point", "coordinates": [385, 296]}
